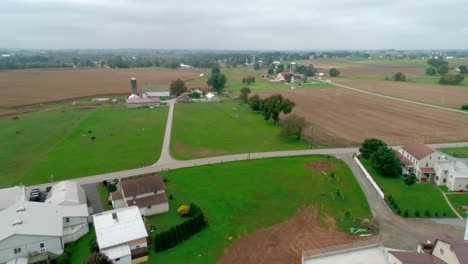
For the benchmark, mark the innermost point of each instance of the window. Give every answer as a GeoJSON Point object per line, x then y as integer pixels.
{"type": "Point", "coordinates": [438, 158]}
{"type": "Point", "coordinates": [445, 180]}
{"type": "Point", "coordinates": [17, 250]}
{"type": "Point", "coordinates": [437, 178]}
{"type": "Point", "coordinates": [467, 186]}
{"type": "Point", "coordinates": [41, 245]}
{"type": "Point", "coordinates": [441, 251]}
{"type": "Point", "coordinates": [427, 164]}
{"type": "Point", "coordinates": [117, 259]}
{"type": "Point", "coordinates": [445, 171]}
{"type": "Point", "coordinates": [67, 220]}
{"type": "Point", "coordinates": [149, 206]}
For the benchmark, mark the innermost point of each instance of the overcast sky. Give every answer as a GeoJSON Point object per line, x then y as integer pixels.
{"type": "Point", "coordinates": [234, 24]}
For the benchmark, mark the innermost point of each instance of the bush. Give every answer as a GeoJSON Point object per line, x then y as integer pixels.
{"type": "Point", "coordinates": [63, 259]}
{"type": "Point", "coordinates": [255, 103]}
{"type": "Point", "coordinates": [171, 197]}
{"type": "Point", "coordinates": [370, 146]}
{"type": "Point", "coordinates": [406, 214]}
{"type": "Point", "coordinates": [399, 211]}
{"type": "Point", "coordinates": [334, 72]}
{"type": "Point", "coordinates": [399, 77]}
{"type": "Point", "coordinates": [248, 80]}
{"type": "Point", "coordinates": [427, 213]}
{"type": "Point", "coordinates": [390, 197]}
{"type": "Point", "coordinates": [385, 162]}
{"type": "Point", "coordinates": [410, 180]}
{"type": "Point", "coordinates": [183, 210]}
{"type": "Point", "coordinates": [395, 206]}
{"type": "Point", "coordinates": [97, 258]}
{"type": "Point", "coordinates": [442, 69]}
{"type": "Point", "coordinates": [417, 214]}
{"type": "Point", "coordinates": [431, 71]}
{"type": "Point", "coordinates": [93, 246]}
{"type": "Point", "coordinates": [464, 107]}
{"type": "Point", "coordinates": [111, 187]}
{"type": "Point", "coordinates": [195, 96]}
{"type": "Point", "coordinates": [436, 214]}
{"type": "Point", "coordinates": [444, 214]}
{"type": "Point", "coordinates": [451, 79]}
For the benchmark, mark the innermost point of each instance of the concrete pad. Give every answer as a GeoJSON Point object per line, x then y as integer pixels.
{"type": "Point", "coordinates": [374, 255]}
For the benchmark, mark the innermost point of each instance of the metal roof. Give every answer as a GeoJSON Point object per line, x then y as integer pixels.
{"type": "Point", "coordinates": [66, 192]}
{"type": "Point", "coordinates": [9, 196]}
{"type": "Point", "coordinates": [127, 226]}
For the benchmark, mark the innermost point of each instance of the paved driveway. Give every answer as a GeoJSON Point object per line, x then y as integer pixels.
{"type": "Point", "coordinates": [93, 198]}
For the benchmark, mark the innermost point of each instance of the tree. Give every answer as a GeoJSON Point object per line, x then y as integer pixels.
{"type": "Point", "coordinates": [370, 146]}
{"type": "Point", "coordinates": [293, 125]}
{"type": "Point", "coordinates": [463, 69]}
{"type": "Point", "coordinates": [215, 69]}
{"type": "Point", "coordinates": [310, 71]}
{"type": "Point", "coordinates": [97, 258]}
{"type": "Point", "coordinates": [399, 77]}
{"type": "Point", "coordinates": [334, 72]}
{"type": "Point", "coordinates": [385, 162]}
{"type": "Point", "coordinates": [451, 79]}
{"type": "Point", "coordinates": [431, 71]}
{"type": "Point", "coordinates": [270, 71]}
{"type": "Point", "coordinates": [410, 180]}
{"type": "Point", "coordinates": [274, 105]}
{"type": "Point", "coordinates": [464, 107]}
{"type": "Point", "coordinates": [256, 66]}
{"type": "Point", "coordinates": [178, 87]}
{"type": "Point", "coordinates": [245, 91]}
{"type": "Point", "coordinates": [217, 81]}
{"type": "Point", "coordinates": [248, 80]}
{"type": "Point", "coordinates": [443, 69]}
{"type": "Point", "coordinates": [288, 78]}
{"type": "Point", "coordinates": [280, 68]}
{"type": "Point", "coordinates": [436, 63]}
{"type": "Point", "coordinates": [255, 103]}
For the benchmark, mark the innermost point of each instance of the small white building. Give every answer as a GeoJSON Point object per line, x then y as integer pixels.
{"type": "Point", "coordinates": [453, 174]}
{"type": "Point", "coordinates": [156, 94]}
{"type": "Point", "coordinates": [66, 193]}
{"type": "Point", "coordinates": [9, 196]}
{"type": "Point", "coordinates": [121, 235]}
{"type": "Point", "coordinates": [142, 102]}
{"type": "Point", "coordinates": [212, 97]}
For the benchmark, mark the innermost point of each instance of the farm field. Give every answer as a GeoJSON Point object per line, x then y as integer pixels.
{"type": "Point", "coordinates": [443, 95]}
{"type": "Point", "coordinates": [456, 152]}
{"type": "Point", "coordinates": [458, 200]}
{"type": "Point", "coordinates": [228, 127]}
{"type": "Point", "coordinates": [420, 196]}
{"type": "Point", "coordinates": [262, 193]}
{"type": "Point", "coordinates": [340, 117]}
{"type": "Point", "coordinates": [57, 142]}
{"type": "Point", "coordinates": [26, 87]}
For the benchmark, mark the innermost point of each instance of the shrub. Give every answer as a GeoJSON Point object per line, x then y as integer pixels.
{"type": "Point", "coordinates": [406, 214]}
{"type": "Point", "coordinates": [248, 80]}
{"type": "Point", "coordinates": [111, 187]}
{"type": "Point", "coordinates": [417, 214]}
{"type": "Point", "coordinates": [385, 162]}
{"type": "Point", "coordinates": [63, 259]}
{"type": "Point", "coordinates": [171, 197]}
{"type": "Point", "coordinates": [399, 77]}
{"type": "Point", "coordinates": [93, 246]}
{"type": "Point", "coordinates": [255, 103]}
{"type": "Point", "coordinates": [97, 258]}
{"type": "Point", "coordinates": [436, 214]}
{"type": "Point", "coordinates": [395, 206]}
{"type": "Point", "coordinates": [464, 107]}
{"type": "Point", "coordinates": [386, 78]}
{"type": "Point", "coordinates": [427, 213]}
{"type": "Point", "coordinates": [444, 214]}
{"type": "Point", "coordinates": [334, 72]}
{"type": "Point", "coordinates": [195, 96]}
{"type": "Point", "coordinates": [183, 210]}
{"type": "Point", "coordinates": [442, 69]}
{"type": "Point", "coordinates": [399, 211]}
{"type": "Point", "coordinates": [410, 180]}
{"type": "Point", "coordinates": [431, 71]}
{"type": "Point", "coordinates": [370, 146]}
{"type": "Point", "coordinates": [390, 198]}
{"type": "Point", "coordinates": [451, 79]}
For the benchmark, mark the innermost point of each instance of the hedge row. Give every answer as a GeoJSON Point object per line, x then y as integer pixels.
{"type": "Point", "coordinates": [177, 234]}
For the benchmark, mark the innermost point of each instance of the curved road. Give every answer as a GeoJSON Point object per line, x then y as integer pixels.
{"type": "Point", "coordinates": [396, 232]}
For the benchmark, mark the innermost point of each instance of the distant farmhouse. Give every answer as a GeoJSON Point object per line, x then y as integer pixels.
{"type": "Point", "coordinates": [31, 232]}
{"type": "Point", "coordinates": [147, 193]}
{"type": "Point", "coordinates": [429, 165]}
{"type": "Point", "coordinates": [121, 235]}
{"type": "Point", "coordinates": [147, 99]}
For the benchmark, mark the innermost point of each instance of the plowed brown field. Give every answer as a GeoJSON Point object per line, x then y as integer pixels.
{"type": "Point", "coordinates": [26, 87]}
{"type": "Point", "coordinates": [284, 242]}
{"type": "Point", "coordinates": [449, 96]}
{"type": "Point", "coordinates": [341, 117]}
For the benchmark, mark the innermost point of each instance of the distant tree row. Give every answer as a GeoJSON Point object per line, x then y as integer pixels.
{"type": "Point", "coordinates": [217, 80]}
{"type": "Point", "coordinates": [177, 234]}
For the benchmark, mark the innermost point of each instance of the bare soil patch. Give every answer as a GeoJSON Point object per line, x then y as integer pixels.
{"type": "Point", "coordinates": [444, 95]}
{"type": "Point", "coordinates": [199, 152]}
{"type": "Point", "coordinates": [381, 70]}
{"type": "Point", "coordinates": [27, 87]}
{"type": "Point", "coordinates": [284, 242]}
{"type": "Point", "coordinates": [319, 166]}
{"type": "Point", "coordinates": [341, 117]}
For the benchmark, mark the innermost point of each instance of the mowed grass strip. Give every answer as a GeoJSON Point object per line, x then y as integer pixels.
{"type": "Point", "coordinates": [456, 152]}
{"type": "Point", "coordinates": [459, 200]}
{"type": "Point", "coordinates": [240, 197]}
{"type": "Point", "coordinates": [221, 128]}
{"type": "Point", "coordinates": [419, 196]}
{"type": "Point", "coordinates": [124, 139]}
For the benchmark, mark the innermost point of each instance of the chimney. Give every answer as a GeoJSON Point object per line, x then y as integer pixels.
{"type": "Point", "coordinates": [114, 216]}
{"type": "Point", "coordinates": [133, 84]}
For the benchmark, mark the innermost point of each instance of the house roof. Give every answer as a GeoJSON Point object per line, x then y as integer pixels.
{"type": "Point", "coordinates": [142, 185]}
{"type": "Point", "coordinates": [416, 258]}
{"type": "Point", "coordinates": [66, 192]}
{"type": "Point", "coordinates": [117, 195]}
{"type": "Point", "coordinates": [427, 170]}
{"type": "Point", "coordinates": [419, 151]}
{"type": "Point", "coordinates": [460, 247]}
{"type": "Point", "coordinates": [403, 159]}
{"type": "Point", "coordinates": [34, 218]}
{"type": "Point", "coordinates": [143, 100]}
{"type": "Point", "coordinates": [9, 196]}
{"type": "Point", "coordinates": [127, 226]}
{"type": "Point", "coordinates": [149, 200]}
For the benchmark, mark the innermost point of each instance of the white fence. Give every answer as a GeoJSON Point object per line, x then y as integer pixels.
{"type": "Point", "coordinates": [369, 177]}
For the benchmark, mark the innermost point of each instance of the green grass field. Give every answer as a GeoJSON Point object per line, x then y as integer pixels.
{"type": "Point", "coordinates": [456, 152]}
{"type": "Point", "coordinates": [458, 200]}
{"type": "Point", "coordinates": [228, 127]}
{"type": "Point", "coordinates": [104, 195]}
{"type": "Point", "coordinates": [420, 196]}
{"type": "Point", "coordinates": [56, 142]}
{"type": "Point", "coordinates": [421, 79]}
{"type": "Point", "coordinates": [240, 197]}
{"type": "Point", "coordinates": [80, 249]}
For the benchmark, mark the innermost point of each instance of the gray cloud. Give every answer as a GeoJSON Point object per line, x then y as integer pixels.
{"type": "Point", "coordinates": [240, 24]}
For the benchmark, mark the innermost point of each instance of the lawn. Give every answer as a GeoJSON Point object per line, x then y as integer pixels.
{"type": "Point", "coordinates": [104, 194]}
{"type": "Point", "coordinates": [80, 249]}
{"type": "Point", "coordinates": [240, 197]}
{"type": "Point", "coordinates": [456, 152]}
{"type": "Point", "coordinates": [458, 200]}
{"type": "Point", "coordinates": [422, 79]}
{"type": "Point", "coordinates": [228, 127]}
{"type": "Point", "coordinates": [57, 142]}
{"type": "Point", "coordinates": [420, 196]}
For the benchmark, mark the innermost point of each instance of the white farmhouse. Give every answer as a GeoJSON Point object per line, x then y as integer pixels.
{"type": "Point", "coordinates": [121, 235]}
{"type": "Point", "coordinates": [452, 174]}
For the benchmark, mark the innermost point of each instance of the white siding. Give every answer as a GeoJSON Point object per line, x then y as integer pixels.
{"type": "Point", "coordinates": [144, 195]}
{"type": "Point", "coordinates": [28, 244]}
{"type": "Point", "coordinates": [78, 232]}
{"type": "Point", "coordinates": [118, 203]}
{"type": "Point", "coordinates": [123, 260]}
{"type": "Point", "coordinates": [445, 252]}
{"type": "Point", "coordinates": [155, 209]}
